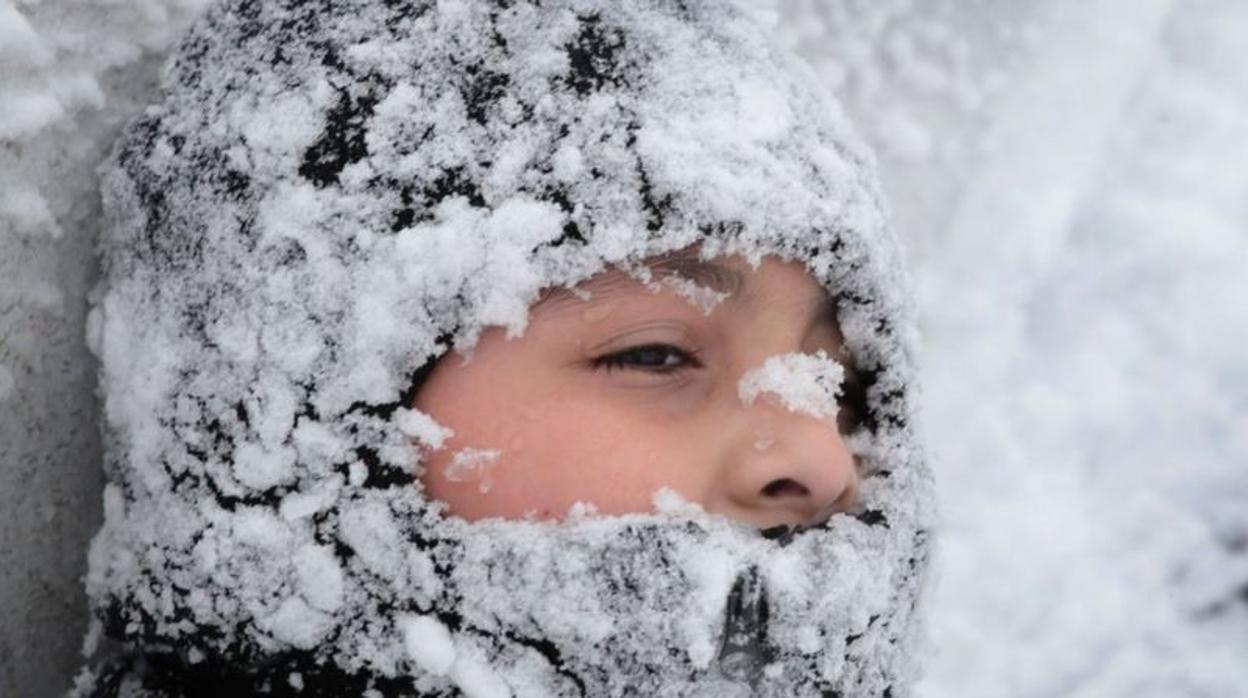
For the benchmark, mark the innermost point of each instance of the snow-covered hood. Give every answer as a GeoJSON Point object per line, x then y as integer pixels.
{"type": "Point", "coordinates": [328, 195]}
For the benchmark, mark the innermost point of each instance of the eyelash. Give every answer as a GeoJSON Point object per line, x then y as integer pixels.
{"type": "Point", "coordinates": [854, 412]}
{"type": "Point", "coordinates": [634, 359]}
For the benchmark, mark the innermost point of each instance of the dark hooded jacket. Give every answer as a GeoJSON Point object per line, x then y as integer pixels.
{"type": "Point", "coordinates": [330, 193]}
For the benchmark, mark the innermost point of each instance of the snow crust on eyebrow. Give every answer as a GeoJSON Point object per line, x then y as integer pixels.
{"type": "Point", "coordinates": [705, 283]}
{"type": "Point", "coordinates": [702, 297]}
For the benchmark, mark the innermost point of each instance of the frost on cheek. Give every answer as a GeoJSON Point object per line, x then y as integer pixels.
{"type": "Point", "coordinates": [473, 464]}
{"type": "Point", "coordinates": [803, 383]}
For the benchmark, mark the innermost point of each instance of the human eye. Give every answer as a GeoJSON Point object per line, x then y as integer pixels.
{"type": "Point", "coordinates": [655, 357]}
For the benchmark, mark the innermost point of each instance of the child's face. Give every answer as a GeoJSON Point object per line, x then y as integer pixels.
{"type": "Point", "coordinates": [607, 399]}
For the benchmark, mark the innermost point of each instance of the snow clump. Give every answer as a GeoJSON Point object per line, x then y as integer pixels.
{"type": "Point", "coordinates": [806, 384]}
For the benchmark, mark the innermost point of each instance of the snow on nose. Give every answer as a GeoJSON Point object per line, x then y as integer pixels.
{"type": "Point", "coordinates": [792, 465]}
{"type": "Point", "coordinates": [804, 383]}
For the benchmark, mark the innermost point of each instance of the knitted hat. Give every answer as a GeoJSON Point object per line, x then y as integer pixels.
{"type": "Point", "coordinates": [327, 195]}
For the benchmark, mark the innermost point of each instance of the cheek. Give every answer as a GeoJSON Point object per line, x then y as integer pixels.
{"type": "Point", "coordinates": [553, 453]}
{"type": "Point", "coordinates": [589, 454]}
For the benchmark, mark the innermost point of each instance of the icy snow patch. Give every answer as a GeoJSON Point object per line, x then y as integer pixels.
{"type": "Point", "coordinates": [262, 469]}
{"type": "Point", "coordinates": [475, 678]}
{"type": "Point", "coordinates": [805, 383]}
{"type": "Point", "coordinates": [319, 577]}
{"type": "Point", "coordinates": [300, 505]}
{"type": "Point", "coordinates": [296, 623]}
{"type": "Point", "coordinates": [428, 643]}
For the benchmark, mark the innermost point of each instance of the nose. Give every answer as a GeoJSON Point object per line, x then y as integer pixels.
{"type": "Point", "coordinates": [786, 468]}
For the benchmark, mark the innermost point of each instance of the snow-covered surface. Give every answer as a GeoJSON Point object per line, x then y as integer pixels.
{"type": "Point", "coordinates": [1069, 177]}
{"type": "Point", "coordinates": [1079, 231]}
{"type": "Point", "coordinates": [325, 197]}
{"type": "Point", "coordinates": [70, 72]}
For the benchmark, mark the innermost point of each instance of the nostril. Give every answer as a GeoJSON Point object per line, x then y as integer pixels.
{"type": "Point", "coordinates": [785, 487]}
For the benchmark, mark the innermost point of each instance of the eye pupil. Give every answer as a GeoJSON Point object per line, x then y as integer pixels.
{"type": "Point", "coordinates": [656, 356]}
{"type": "Point", "coordinates": [650, 357]}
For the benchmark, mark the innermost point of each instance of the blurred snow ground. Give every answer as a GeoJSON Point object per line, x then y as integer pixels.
{"type": "Point", "coordinates": [1082, 272]}
{"type": "Point", "coordinates": [71, 72]}
{"type": "Point", "coordinates": [1072, 177]}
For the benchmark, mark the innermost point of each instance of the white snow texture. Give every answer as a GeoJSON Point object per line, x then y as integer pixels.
{"type": "Point", "coordinates": [324, 198]}
{"type": "Point", "coordinates": [71, 72]}
{"type": "Point", "coordinates": [1068, 177]}
{"type": "Point", "coordinates": [805, 384]}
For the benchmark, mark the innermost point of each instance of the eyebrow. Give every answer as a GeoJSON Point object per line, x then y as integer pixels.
{"type": "Point", "coordinates": [686, 264]}
{"type": "Point", "coordinates": [705, 273]}
{"type": "Point", "coordinates": [682, 264]}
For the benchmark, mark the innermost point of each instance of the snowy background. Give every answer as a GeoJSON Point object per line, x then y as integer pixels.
{"type": "Point", "coordinates": [1072, 178]}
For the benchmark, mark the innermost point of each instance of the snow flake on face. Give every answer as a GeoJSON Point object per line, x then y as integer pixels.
{"type": "Point", "coordinates": [473, 465]}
